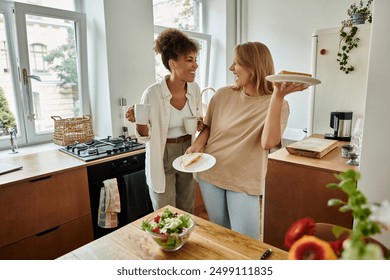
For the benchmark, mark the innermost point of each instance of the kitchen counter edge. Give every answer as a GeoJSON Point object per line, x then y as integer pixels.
{"type": "Point", "coordinates": [48, 163]}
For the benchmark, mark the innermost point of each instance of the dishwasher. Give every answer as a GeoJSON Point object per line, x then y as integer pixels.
{"type": "Point", "coordinates": [133, 190]}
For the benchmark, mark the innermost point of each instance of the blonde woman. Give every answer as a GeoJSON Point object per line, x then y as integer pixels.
{"type": "Point", "coordinates": [244, 122]}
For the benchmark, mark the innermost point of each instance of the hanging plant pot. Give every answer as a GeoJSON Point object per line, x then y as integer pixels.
{"type": "Point", "coordinates": [359, 18]}
{"type": "Point", "coordinates": [358, 13]}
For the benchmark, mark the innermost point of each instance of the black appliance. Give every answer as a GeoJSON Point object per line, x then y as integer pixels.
{"type": "Point", "coordinates": [133, 190]}
{"type": "Point", "coordinates": [129, 172]}
{"type": "Point", "coordinates": [341, 122]}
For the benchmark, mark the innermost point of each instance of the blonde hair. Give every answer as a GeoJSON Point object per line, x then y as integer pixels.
{"type": "Point", "coordinates": [257, 58]}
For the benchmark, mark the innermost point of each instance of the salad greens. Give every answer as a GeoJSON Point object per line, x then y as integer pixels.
{"type": "Point", "coordinates": [169, 230]}
{"type": "Point", "coordinates": [168, 223]}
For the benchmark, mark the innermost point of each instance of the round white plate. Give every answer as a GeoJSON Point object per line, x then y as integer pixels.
{"type": "Point", "coordinates": [206, 162]}
{"type": "Point", "coordinates": [293, 78]}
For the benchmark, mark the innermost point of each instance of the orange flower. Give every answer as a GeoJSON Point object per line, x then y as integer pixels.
{"type": "Point", "coordinates": [304, 226]}
{"type": "Point", "coordinates": [311, 248]}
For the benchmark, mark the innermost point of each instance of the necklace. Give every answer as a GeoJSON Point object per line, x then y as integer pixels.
{"type": "Point", "coordinates": [247, 93]}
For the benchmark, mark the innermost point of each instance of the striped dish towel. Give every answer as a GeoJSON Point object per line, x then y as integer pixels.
{"type": "Point", "coordinates": [109, 204]}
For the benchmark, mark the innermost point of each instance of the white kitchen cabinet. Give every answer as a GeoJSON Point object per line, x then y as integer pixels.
{"type": "Point", "coordinates": [337, 91]}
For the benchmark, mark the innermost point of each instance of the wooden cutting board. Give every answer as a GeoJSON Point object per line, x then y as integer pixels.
{"type": "Point", "coordinates": [312, 147]}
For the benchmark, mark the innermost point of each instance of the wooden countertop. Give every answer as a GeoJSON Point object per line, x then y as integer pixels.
{"type": "Point", "coordinates": [49, 162]}
{"type": "Point", "coordinates": [208, 241]}
{"type": "Point", "coordinates": [331, 161]}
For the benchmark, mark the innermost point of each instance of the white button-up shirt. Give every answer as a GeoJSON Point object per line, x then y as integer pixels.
{"type": "Point", "coordinates": [159, 97]}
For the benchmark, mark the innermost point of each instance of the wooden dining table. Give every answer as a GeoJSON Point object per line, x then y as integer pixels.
{"type": "Point", "coordinates": [208, 241]}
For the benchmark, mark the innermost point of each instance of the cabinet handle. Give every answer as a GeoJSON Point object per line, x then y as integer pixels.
{"type": "Point", "coordinates": [47, 231]}
{"type": "Point", "coordinates": [40, 179]}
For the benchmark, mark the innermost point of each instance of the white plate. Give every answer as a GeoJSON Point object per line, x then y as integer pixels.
{"type": "Point", "coordinates": [293, 78]}
{"type": "Point", "coordinates": [206, 162]}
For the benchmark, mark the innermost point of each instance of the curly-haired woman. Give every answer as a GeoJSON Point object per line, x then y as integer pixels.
{"type": "Point", "coordinates": [172, 99]}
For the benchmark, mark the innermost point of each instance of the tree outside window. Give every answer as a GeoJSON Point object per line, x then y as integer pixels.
{"type": "Point", "coordinates": [7, 118]}
{"type": "Point", "coordinates": [182, 14]}
{"type": "Point", "coordinates": [63, 61]}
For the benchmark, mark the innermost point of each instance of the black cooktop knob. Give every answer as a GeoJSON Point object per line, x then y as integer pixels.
{"type": "Point", "coordinates": [134, 161]}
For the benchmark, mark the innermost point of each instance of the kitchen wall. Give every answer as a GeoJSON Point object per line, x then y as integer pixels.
{"type": "Point", "coordinates": [221, 23]}
{"type": "Point", "coordinates": [120, 58]}
{"type": "Point", "coordinates": [286, 27]}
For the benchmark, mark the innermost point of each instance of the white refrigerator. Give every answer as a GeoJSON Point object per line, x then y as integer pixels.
{"type": "Point", "coordinates": [337, 91]}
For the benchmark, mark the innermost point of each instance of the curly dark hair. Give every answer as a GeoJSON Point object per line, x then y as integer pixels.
{"type": "Point", "coordinates": [172, 43]}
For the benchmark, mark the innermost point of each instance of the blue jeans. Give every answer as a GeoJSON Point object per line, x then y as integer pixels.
{"type": "Point", "coordinates": [237, 211]}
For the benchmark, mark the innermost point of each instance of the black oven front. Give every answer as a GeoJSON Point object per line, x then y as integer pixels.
{"type": "Point", "coordinates": [135, 202]}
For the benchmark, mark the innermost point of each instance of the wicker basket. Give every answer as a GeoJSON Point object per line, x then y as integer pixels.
{"type": "Point", "coordinates": [70, 130]}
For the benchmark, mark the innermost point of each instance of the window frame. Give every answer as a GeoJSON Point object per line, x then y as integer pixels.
{"type": "Point", "coordinates": [7, 10]}
{"type": "Point", "coordinates": [14, 18]}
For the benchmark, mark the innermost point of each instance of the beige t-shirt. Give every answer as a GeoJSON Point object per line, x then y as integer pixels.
{"type": "Point", "coordinates": [236, 122]}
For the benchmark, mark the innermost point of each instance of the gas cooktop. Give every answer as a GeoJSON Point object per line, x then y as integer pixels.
{"type": "Point", "coordinates": [102, 148]}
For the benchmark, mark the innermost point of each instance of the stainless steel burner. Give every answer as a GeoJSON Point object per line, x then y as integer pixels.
{"type": "Point", "coordinates": [92, 150]}
{"type": "Point", "coordinates": [101, 148]}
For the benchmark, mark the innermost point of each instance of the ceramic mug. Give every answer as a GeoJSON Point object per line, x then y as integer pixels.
{"type": "Point", "coordinates": [142, 113]}
{"type": "Point", "coordinates": [190, 125]}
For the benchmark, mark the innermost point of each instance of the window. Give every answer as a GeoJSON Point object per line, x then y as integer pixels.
{"type": "Point", "coordinates": [46, 76]}
{"type": "Point", "coordinates": [4, 54]}
{"type": "Point", "coordinates": [182, 14]}
{"type": "Point", "coordinates": [187, 16]}
{"type": "Point", "coordinates": [58, 4]}
{"type": "Point", "coordinates": [37, 57]}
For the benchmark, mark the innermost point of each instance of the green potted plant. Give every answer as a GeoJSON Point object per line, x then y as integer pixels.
{"type": "Point", "coordinates": [358, 13]}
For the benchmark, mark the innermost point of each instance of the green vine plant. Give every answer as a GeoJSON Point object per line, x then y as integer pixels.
{"type": "Point", "coordinates": [348, 41]}
{"type": "Point", "coordinates": [348, 38]}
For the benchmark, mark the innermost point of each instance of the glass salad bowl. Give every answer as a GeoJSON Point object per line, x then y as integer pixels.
{"type": "Point", "coordinates": [170, 230]}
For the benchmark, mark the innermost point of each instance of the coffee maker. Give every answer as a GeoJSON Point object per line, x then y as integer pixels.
{"type": "Point", "coordinates": [341, 122]}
